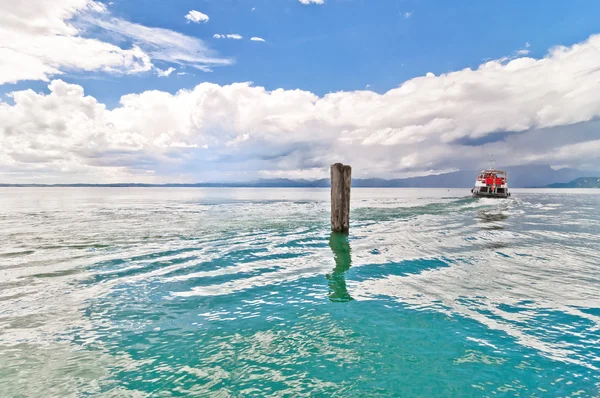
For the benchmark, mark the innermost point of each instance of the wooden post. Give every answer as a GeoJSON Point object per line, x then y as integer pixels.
{"type": "Point", "coordinates": [341, 179]}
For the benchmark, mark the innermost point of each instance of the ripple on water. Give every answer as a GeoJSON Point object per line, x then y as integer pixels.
{"type": "Point", "coordinates": [243, 292]}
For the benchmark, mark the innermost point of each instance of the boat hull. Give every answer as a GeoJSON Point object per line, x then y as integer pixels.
{"type": "Point", "coordinates": [494, 195]}
{"type": "Point", "coordinates": [490, 195]}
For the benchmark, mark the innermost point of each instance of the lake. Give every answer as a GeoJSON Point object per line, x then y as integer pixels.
{"type": "Point", "coordinates": [245, 292]}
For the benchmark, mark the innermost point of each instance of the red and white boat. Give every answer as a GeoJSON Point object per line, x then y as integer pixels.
{"type": "Point", "coordinates": [491, 183]}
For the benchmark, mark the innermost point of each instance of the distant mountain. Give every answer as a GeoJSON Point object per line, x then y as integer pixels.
{"type": "Point", "coordinates": [583, 182]}
{"type": "Point", "coordinates": [518, 177]}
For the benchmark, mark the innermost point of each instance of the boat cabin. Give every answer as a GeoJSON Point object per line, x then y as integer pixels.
{"type": "Point", "coordinates": [491, 182]}
{"type": "Point", "coordinates": [492, 177]}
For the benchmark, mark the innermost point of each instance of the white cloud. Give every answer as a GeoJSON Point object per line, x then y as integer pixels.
{"type": "Point", "coordinates": [407, 14]}
{"type": "Point", "coordinates": [164, 44]}
{"type": "Point", "coordinates": [257, 39]}
{"type": "Point", "coordinates": [196, 16]}
{"type": "Point", "coordinates": [312, 1]}
{"type": "Point", "coordinates": [233, 36]}
{"type": "Point", "coordinates": [48, 38]}
{"type": "Point", "coordinates": [37, 41]}
{"type": "Point", "coordinates": [549, 107]}
{"type": "Point", "coordinates": [524, 51]}
{"type": "Point", "coordinates": [165, 73]}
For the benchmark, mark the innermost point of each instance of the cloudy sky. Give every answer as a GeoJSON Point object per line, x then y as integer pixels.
{"type": "Point", "coordinates": [221, 90]}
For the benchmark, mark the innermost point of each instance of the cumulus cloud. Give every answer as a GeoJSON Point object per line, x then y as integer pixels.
{"type": "Point", "coordinates": [312, 1]}
{"type": "Point", "coordinates": [196, 16]}
{"type": "Point", "coordinates": [233, 36]}
{"type": "Point", "coordinates": [37, 41]}
{"type": "Point", "coordinates": [524, 51]}
{"type": "Point", "coordinates": [165, 73]}
{"type": "Point", "coordinates": [525, 110]}
{"type": "Point", "coordinates": [257, 39]}
{"type": "Point", "coordinates": [45, 38]}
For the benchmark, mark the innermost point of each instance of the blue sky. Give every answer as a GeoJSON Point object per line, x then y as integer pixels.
{"type": "Point", "coordinates": [344, 46]}
{"type": "Point", "coordinates": [347, 44]}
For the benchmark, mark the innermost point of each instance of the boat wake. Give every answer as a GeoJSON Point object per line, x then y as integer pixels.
{"type": "Point", "coordinates": [208, 295]}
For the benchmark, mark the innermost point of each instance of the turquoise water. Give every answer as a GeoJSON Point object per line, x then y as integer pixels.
{"type": "Point", "coordinates": [244, 292]}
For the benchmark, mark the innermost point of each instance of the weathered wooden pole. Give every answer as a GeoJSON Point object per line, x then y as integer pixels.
{"type": "Point", "coordinates": [341, 179]}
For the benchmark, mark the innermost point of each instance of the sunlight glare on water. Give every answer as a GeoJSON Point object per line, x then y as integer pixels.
{"type": "Point", "coordinates": [245, 292]}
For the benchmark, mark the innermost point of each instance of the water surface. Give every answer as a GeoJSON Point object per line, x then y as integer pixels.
{"type": "Point", "coordinates": [245, 292]}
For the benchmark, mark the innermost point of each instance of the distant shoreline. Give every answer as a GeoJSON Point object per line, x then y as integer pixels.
{"type": "Point", "coordinates": [197, 186]}
{"type": "Point", "coordinates": [460, 180]}
{"type": "Point", "coordinates": [250, 186]}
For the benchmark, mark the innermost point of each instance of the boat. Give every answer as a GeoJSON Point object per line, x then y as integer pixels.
{"type": "Point", "coordinates": [491, 183]}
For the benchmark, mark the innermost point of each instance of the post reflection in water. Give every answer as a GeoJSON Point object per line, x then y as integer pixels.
{"type": "Point", "coordinates": [338, 242]}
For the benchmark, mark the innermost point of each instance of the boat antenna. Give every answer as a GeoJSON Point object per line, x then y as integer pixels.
{"type": "Point", "coordinates": [492, 162]}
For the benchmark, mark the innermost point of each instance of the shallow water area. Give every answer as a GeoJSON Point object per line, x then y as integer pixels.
{"type": "Point", "coordinates": [245, 292]}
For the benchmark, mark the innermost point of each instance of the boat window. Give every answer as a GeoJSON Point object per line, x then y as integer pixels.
{"type": "Point", "coordinates": [500, 190]}
{"type": "Point", "coordinates": [483, 189]}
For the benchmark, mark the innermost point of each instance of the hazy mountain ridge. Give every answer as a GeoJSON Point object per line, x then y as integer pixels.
{"type": "Point", "coordinates": [583, 182]}
{"type": "Point", "coordinates": [518, 177]}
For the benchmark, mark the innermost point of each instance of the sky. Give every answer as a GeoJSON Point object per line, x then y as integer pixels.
{"type": "Point", "coordinates": [187, 91]}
